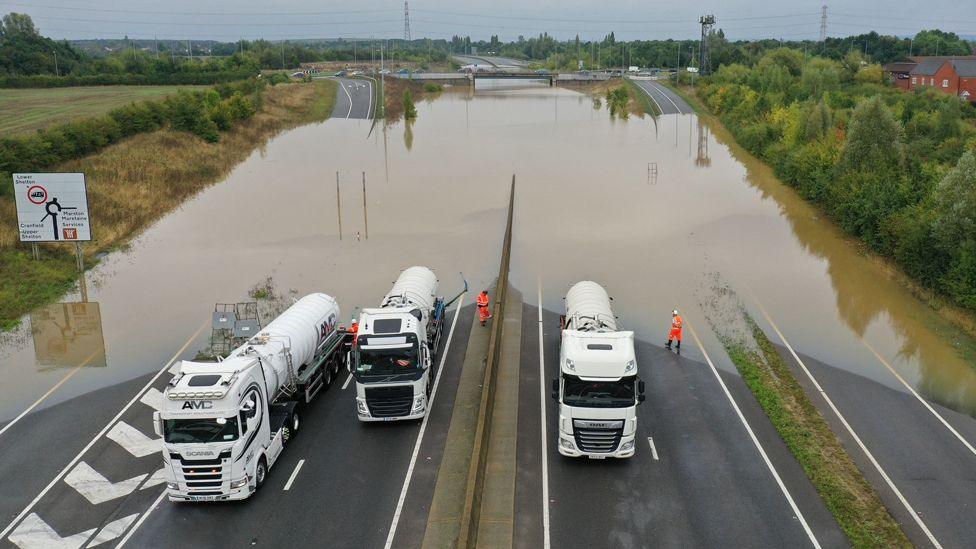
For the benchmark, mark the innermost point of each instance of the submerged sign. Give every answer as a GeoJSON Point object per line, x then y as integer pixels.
{"type": "Point", "coordinates": [52, 207]}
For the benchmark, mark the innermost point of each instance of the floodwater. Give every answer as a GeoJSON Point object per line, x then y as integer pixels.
{"type": "Point", "coordinates": [653, 209]}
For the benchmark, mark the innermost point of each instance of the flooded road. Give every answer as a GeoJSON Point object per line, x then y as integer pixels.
{"type": "Point", "coordinates": [654, 210]}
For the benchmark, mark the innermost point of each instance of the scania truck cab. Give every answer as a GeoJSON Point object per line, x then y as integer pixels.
{"type": "Point", "coordinates": [598, 388]}
{"type": "Point", "coordinates": [224, 424]}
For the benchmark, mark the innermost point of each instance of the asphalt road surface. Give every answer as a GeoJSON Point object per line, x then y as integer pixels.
{"type": "Point", "coordinates": [666, 100]}
{"type": "Point", "coordinates": [704, 484]}
{"type": "Point", "coordinates": [61, 492]}
{"type": "Point", "coordinates": [354, 99]}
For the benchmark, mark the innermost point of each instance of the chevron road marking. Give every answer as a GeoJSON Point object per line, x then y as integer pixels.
{"type": "Point", "coordinates": [134, 441]}
{"type": "Point", "coordinates": [96, 488]}
{"type": "Point", "coordinates": [34, 533]}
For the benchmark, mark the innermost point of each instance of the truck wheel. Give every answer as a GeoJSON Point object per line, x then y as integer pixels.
{"type": "Point", "coordinates": [260, 473]}
{"type": "Point", "coordinates": [328, 376]}
{"type": "Point", "coordinates": [296, 423]}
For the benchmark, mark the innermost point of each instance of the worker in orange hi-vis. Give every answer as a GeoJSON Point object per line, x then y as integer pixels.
{"type": "Point", "coordinates": [483, 313]}
{"type": "Point", "coordinates": [675, 333]}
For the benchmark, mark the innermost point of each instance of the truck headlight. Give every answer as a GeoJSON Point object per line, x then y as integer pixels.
{"type": "Point", "coordinates": [418, 404]}
{"type": "Point", "coordinates": [567, 444]}
{"type": "Point", "coordinates": [172, 486]}
{"type": "Point", "coordinates": [627, 446]}
{"type": "Point", "coordinates": [238, 483]}
{"type": "Point", "coordinates": [361, 407]}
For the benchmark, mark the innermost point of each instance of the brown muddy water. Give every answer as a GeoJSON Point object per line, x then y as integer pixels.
{"type": "Point", "coordinates": [654, 210]}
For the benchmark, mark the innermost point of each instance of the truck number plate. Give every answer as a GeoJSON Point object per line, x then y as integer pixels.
{"type": "Point", "coordinates": [204, 498]}
{"type": "Point", "coordinates": [597, 457]}
{"type": "Point", "coordinates": [390, 419]}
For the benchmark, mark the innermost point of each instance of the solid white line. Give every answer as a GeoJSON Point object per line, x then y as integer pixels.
{"type": "Point", "coordinates": [294, 474]}
{"type": "Point", "coordinates": [666, 96]}
{"type": "Point", "coordinates": [423, 428]}
{"type": "Point", "coordinates": [850, 430]}
{"type": "Point", "coordinates": [346, 384]}
{"type": "Point", "coordinates": [650, 441]}
{"type": "Point", "coordinates": [50, 391]}
{"type": "Point", "coordinates": [755, 441]}
{"type": "Point", "coordinates": [651, 96]}
{"type": "Point", "coordinates": [545, 437]}
{"type": "Point", "coordinates": [141, 520]}
{"type": "Point", "coordinates": [343, 86]}
{"type": "Point", "coordinates": [369, 108]}
{"type": "Point", "coordinates": [101, 433]}
{"type": "Point", "coordinates": [917, 396]}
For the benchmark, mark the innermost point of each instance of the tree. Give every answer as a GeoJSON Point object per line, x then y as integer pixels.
{"type": "Point", "coordinates": [818, 121]}
{"type": "Point", "coordinates": [819, 76]}
{"type": "Point", "coordinates": [874, 140]}
{"type": "Point", "coordinates": [17, 25]}
{"type": "Point", "coordinates": [955, 228]}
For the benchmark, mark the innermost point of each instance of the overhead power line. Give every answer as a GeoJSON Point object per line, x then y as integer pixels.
{"type": "Point", "coordinates": [195, 13]}
{"type": "Point", "coordinates": [196, 24]}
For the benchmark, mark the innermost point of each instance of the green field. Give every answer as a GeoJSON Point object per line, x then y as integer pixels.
{"type": "Point", "coordinates": [26, 110]}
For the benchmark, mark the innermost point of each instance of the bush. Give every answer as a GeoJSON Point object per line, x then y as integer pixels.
{"type": "Point", "coordinates": [409, 109]}
{"type": "Point", "coordinates": [185, 78]}
{"type": "Point", "coordinates": [431, 87]}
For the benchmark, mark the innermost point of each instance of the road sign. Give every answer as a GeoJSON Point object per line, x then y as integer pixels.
{"type": "Point", "coordinates": [52, 207]}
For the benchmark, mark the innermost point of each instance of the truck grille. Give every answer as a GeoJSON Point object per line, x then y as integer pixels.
{"type": "Point", "coordinates": [389, 401]}
{"type": "Point", "coordinates": [596, 436]}
{"type": "Point", "coordinates": [202, 474]}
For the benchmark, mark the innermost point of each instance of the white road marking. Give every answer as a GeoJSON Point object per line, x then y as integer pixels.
{"type": "Point", "coordinates": [34, 533]}
{"type": "Point", "coordinates": [97, 489]}
{"type": "Point", "coordinates": [369, 108]}
{"type": "Point", "coordinates": [755, 441]}
{"type": "Point", "coordinates": [50, 391]}
{"type": "Point", "coordinates": [346, 384]}
{"type": "Point", "coordinates": [343, 86]}
{"type": "Point", "coordinates": [666, 96]}
{"type": "Point", "coordinates": [917, 396]}
{"type": "Point", "coordinates": [156, 479]}
{"type": "Point", "coordinates": [134, 442]}
{"type": "Point", "coordinates": [113, 530]}
{"type": "Point", "coordinates": [850, 430]}
{"type": "Point", "coordinates": [152, 398]}
{"type": "Point", "coordinates": [141, 520]}
{"type": "Point", "coordinates": [650, 441]}
{"type": "Point", "coordinates": [294, 474]}
{"type": "Point", "coordinates": [651, 96]}
{"type": "Point", "coordinates": [545, 437]}
{"type": "Point", "coordinates": [101, 433]}
{"type": "Point", "coordinates": [423, 428]}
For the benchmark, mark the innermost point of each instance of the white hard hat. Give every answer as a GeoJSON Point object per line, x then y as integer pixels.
{"type": "Point", "coordinates": [674, 312]}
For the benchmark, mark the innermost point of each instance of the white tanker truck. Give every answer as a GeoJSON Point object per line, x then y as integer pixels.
{"type": "Point", "coordinates": [392, 356]}
{"type": "Point", "coordinates": [224, 424]}
{"type": "Point", "coordinates": [598, 389]}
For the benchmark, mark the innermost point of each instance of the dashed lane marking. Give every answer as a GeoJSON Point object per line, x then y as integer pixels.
{"type": "Point", "coordinates": [294, 474]}
{"type": "Point", "coordinates": [650, 441]}
{"type": "Point", "coordinates": [346, 384]}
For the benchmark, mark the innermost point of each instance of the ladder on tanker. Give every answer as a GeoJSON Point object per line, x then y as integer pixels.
{"type": "Point", "coordinates": [291, 384]}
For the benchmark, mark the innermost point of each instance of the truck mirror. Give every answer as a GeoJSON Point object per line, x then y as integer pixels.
{"type": "Point", "coordinates": [640, 392]}
{"type": "Point", "coordinates": [555, 389]}
{"type": "Point", "coordinates": [157, 424]}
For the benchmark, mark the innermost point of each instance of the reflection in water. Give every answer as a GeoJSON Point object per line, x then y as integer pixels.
{"type": "Point", "coordinates": [67, 335]}
{"type": "Point", "coordinates": [583, 210]}
{"type": "Point", "coordinates": [408, 134]}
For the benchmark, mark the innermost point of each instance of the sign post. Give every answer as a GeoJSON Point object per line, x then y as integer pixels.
{"type": "Point", "coordinates": [53, 207]}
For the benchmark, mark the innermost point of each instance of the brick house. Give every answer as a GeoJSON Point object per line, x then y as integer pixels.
{"type": "Point", "coordinates": [950, 75]}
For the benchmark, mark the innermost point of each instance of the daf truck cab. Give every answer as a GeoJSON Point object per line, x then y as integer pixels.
{"type": "Point", "coordinates": [598, 389]}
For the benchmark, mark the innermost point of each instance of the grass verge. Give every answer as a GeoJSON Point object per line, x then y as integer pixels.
{"type": "Point", "coordinates": [849, 497]}
{"type": "Point", "coordinates": [26, 110]}
{"type": "Point", "coordinates": [136, 182]}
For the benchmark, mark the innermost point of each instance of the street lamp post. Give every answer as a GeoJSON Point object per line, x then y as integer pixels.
{"type": "Point", "coordinates": [57, 71]}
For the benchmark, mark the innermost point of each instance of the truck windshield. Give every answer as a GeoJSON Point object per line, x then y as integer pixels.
{"type": "Point", "coordinates": [599, 394]}
{"type": "Point", "coordinates": [199, 431]}
{"type": "Point", "coordinates": [387, 362]}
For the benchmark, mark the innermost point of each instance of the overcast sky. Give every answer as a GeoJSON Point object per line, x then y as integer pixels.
{"type": "Point", "coordinates": [229, 20]}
